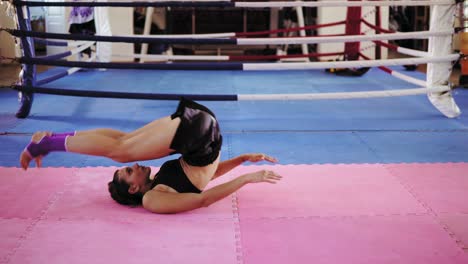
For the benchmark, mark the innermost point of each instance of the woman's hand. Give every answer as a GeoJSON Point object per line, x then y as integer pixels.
{"type": "Point", "coordinates": [256, 157]}
{"type": "Point", "coordinates": [263, 176]}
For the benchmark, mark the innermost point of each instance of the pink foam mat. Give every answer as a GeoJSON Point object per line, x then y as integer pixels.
{"type": "Point", "coordinates": [130, 241]}
{"type": "Point", "coordinates": [457, 224]}
{"type": "Point", "coordinates": [12, 232]}
{"type": "Point", "coordinates": [357, 213]}
{"type": "Point", "coordinates": [327, 190]}
{"type": "Point", "coordinates": [26, 194]}
{"type": "Point", "coordinates": [86, 197]}
{"type": "Point", "coordinates": [441, 186]}
{"type": "Point", "coordinates": [364, 240]}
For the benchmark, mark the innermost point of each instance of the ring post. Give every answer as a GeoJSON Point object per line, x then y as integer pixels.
{"type": "Point", "coordinates": [353, 27]}
{"type": "Point", "coordinates": [442, 18]}
{"type": "Point", "coordinates": [28, 73]}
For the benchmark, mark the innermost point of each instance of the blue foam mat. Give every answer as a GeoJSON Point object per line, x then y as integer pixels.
{"type": "Point", "coordinates": [412, 112]}
{"type": "Point", "coordinates": [404, 147]}
{"type": "Point", "coordinates": [399, 129]}
{"type": "Point", "coordinates": [298, 148]}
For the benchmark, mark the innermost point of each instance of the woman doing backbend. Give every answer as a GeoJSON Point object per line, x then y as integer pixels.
{"type": "Point", "coordinates": [178, 186]}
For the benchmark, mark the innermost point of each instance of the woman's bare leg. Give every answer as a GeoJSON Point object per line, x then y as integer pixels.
{"type": "Point", "coordinates": [108, 132]}
{"type": "Point", "coordinates": [149, 142]}
{"type": "Point", "coordinates": [116, 134]}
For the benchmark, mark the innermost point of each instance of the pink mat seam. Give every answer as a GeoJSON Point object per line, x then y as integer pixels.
{"type": "Point", "coordinates": [237, 228]}
{"type": "Point", "coordinates": [34, 223]}
{"type": "Point", "coordinates": [430, 211]}
{"type": "Point", "coordinates": [333, 217]}
{"type": "Point", "coordinates": [20, 241]}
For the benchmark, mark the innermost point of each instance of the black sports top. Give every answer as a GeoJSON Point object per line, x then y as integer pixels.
{"type": "Point", "coordinates": [172, 175]}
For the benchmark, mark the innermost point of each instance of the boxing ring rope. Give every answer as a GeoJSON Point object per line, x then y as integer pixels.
{"type": "Point", "coordinates": [286, 30]}
{"type": "Point", "coordinates": [239, 34]}
{"type": "Point", "coordinates": [396, 74]}
{"type": "Point", "coordinates": [376, 28]}
{"type": "Point", "coordinates": [401, 50]}
{"type": "Point", "coordinates": [226, 57]}
{"type": "Point", "coordinates": [60, 43]}
{"type": "Point", "coordinates": [234, 41]}
{"type": "Point", "coordinates": [241, 66]}
{"type": "Point", "coordinates": [63, 73]}
{"type": "Point", "coordinates": [67, 53]}
{"type": "Point", "coordinates": [228, 3]}
{"type": "Point", "coordinates": [214, 35]}
{"type": "Point", "coordinates": [234, 97]}
{"type": "Point", "coordinates": [251, 41]}
{"type": "Point", "coordinates": [435, 87]}
{"type": "Point", "coordinates": [143, 54]}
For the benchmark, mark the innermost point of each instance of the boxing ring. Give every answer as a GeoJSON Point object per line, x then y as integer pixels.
{"type": "Point", "coordinates": [380, 178]}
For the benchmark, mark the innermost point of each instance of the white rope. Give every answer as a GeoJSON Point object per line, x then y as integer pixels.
{"type": "Point", "coordinates": [345, 64]}
{"type": "Point", "coordinates": [343, 3]}
{"type": "Point", "coordinates": [348, 38]}
{"type": "Point", "coordinates": [412, 52]}
{"type": "Point", "coordinates": [409, 79]}
{"type": "Point", "coordinates": [191, 36]}
{"type": "Point", "coordinates": [340, 95]}
{"type": "Point", "coordinates": [77, 43]}
{"type": "Point", "coordinates": [75, 69]}
{"type": "Point", "coordinates": [81, 48]}
{"type": "Point", "coordinates": [308, 40]}
{"type": "Point", "coordinates": [173, 57]}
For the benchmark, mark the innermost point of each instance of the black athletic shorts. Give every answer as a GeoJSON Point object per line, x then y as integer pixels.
{"type": "Point", "coordinates": [198, 137]}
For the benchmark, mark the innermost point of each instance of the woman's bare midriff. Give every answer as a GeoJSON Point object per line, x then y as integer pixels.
{"type": "Point", "coordinates": [200, 176]}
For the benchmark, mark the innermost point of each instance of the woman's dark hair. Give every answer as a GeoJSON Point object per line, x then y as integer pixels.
{"type": "Point", "coordinates": [119, 192]}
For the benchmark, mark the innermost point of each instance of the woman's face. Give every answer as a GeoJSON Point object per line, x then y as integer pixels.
{"type": "Point", "coordinates": [135, 175]}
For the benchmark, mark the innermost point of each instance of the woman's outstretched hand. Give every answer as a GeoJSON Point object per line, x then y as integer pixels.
{"type": "Point", "coordinates": [263, 176]}
{"type": "Point", "coordinates": [25, 158]}
{"type": "Point", "coordinates": [257, 157]}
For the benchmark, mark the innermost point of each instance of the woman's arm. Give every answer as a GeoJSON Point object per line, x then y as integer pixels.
{"type": "Point", "coordinates": [168, 203]}
{"type": "Point", "coordinates": [227, 165]}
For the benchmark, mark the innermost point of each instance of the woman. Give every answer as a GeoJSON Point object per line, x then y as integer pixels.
{"type": "Point", "coordinates": [191, 131]}
{"type": "Point", "coordinates": [81, 21]}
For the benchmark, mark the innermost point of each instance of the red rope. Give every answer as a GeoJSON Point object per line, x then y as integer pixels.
{"type": "Point", "coordinates": [245, 34]}
{"type": "Point", "coordinates": [374, 27]}
{"type": "Point", "coordinates": [271, 57]}
{"type": "Point", "coordinates": [386, 45]}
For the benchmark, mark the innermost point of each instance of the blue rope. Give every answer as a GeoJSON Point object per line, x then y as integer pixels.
{"type": "Point", "coordinates": [133, 39]}
{"type": "Point", "coordinates": [139, 66]}
{"type": "Point", "coordinates": [122, 95]}
{"type": "Point", "coordinates": [52, 78]}
{"type": "Point", "coordinates": [56, 56]}
{"type": "Point", "coordinates": [51, 43]}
